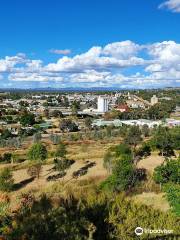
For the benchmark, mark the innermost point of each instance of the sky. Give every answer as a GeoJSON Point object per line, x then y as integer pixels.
{"type": "Point", "coordinates": [89, 43]}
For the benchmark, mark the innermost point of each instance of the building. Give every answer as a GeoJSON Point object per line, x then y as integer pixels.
{"type": "Point", "coordinates": [103, 123]}
{"type": "Point", "coordinates": [172, 122]}
{"type": "Point", "coordinates": [122, 108]}
{"type": "Point", "coordinates": [137, 102]}
{"type": "Point", "coordinates": [142, 122]}
{"type": "Point", "coordinates": [102, 104]}
{"type": "Point", "coordinates": [154, 100]}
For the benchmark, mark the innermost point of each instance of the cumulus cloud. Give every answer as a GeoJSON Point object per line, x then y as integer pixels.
{"type": "Point", "coordinates": [121, 64]}
{"type": "Point", "coordinates": [122, 50]}
{"type": "Point", "coordinates": [60, 51]}
{"type": "Point", "coordinates": [172, 5]}
{"type": "Point", "coordinates": [33, 77]}
{"type": "Point", "coordinates": [167, 60]}
{"type": "Point", "coordinates": [95, 59]}
{"type": "Point", "coordinates": [7, 64]}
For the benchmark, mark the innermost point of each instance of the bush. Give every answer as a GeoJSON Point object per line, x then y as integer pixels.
{"type": "Point", "coordinates": [34, 170]}
{"type": "Point", "coordinates": [37, 152]}
{"type": "Point", "coordinates": [6, 180]}
{"type": "Point", "coordinates": [173, 197]}
{"type": "Point", "coordinates": [168, 172]}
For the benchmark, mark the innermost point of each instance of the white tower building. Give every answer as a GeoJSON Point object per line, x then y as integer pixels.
{"type": "Point", "coordinates": [154, 100]}
{"type": "Point", "coordinates": [102, 104]}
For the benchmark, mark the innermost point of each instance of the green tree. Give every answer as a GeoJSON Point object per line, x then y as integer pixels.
{"type": "Point", "coordinates": [163, 141]}
{"type": "Point", "coordinates": [114, 153]}
{"type": "Point", "coordinates": [133, 137]}
{"type": "Point", "coordinates": [173, 197]}
{"type": "Point", "coordinates": [123, 175]}
{"type": "Point", "coordinates": [88, 122]}
{"type": "Point", "coordinates": [27, 119]}
{"type": "Point", "coordinates": [61, 151]}
{"type": "Point", "coordinates": [168, 172]}
{"type": "Point", "coordinates": [37, 152]}
{"type": "Point", "coordinates": [6, 180]}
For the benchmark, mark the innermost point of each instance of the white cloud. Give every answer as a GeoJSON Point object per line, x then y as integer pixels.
{"type": "Point", "coordinates": [60, 51]}
{"type": "Point", "coordinates": [33, 77]}
{"type": "Point", "coordinates": [122, 50]}
{"type": "Point", "coordinates": [94, 59]}
{"type": "Point", "coordinates": [172, 5]}
{"type": "Point", "coordinates": [120, 64]}
{"type": "Point", "coordinates": [7, 64]}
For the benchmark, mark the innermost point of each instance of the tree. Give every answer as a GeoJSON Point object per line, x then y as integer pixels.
{"type": "Point", "coordinates": [114, 153]}
{"type": "Point", "coordinates": [6, 134]}
{"type": "Point", "coordinates": [6, 180]}
{"type": "Point", "coordinates": [55, 138]}
{"type": "Point", "coordinates": [46, 112]}
{"type": "Point", "coordinates": [56, 113]}
{"type": "Point", "coordinates": [163, 141]}
{"type": "Point", "coordinates": [7, 157]}
{"type": "Point", "coordinates": [145, 130]}
{"type": "Point", "coordinates": [61, 151]}
{"type": "Point", "coordinates": [68, 125]}
{"type": "Point", "coordinates": [123, 175]}
{"type": "Point", "coordinates": [37, 137]}
{"type": "Point", "coordinates": [75, 106]}
{"type": "Point", "coordinates": [133, 137]}
{"type": "Point", "coordinates": [34, 170]}
{"type": "Point", "coordinates": [37, 152]}
{"type": "Point", "coordinates": [173, 197]}
{"type": "Point", "coordinates": [168, 172]}
{"type": "Point", "coordinates": [27, 119]}
{"type": "Point", "coordinates": [88, 122]}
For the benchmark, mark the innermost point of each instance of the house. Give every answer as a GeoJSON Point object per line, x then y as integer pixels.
{"type": "Point", "coordinates": [103, 123]}
{"type": "Point", "coordinates": [122, 108]}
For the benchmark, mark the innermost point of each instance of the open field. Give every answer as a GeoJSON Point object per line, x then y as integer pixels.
{"type": "Point", "coordinates": [81, 152]}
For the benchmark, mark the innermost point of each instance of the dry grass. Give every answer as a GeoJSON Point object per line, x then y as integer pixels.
{"type": "Point", "coordinates": [155, 200]}
{"type": "Point", "coordinates": [151, 162]}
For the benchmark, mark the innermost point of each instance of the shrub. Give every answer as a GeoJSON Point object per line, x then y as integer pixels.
{"type": "Point", "coordinates": [37, 152]}
{"type": "Point", "coordinates": [6, 180]}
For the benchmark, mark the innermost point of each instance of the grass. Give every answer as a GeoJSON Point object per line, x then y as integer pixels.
{"type": "Point", "coordinates": [156, 200]}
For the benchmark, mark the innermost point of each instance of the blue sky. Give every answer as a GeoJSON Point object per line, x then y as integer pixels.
{"type": "Point", "coordinates": [89, 43]}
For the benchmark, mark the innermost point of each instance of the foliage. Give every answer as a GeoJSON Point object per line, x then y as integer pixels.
{"type": "Point", "coordinates": [88, 122]}
{"type": "Point", "coordinates": [61, 151]}
{"type": "Point", "coordinates": [61, 165]}
{"type": "Point", "coordinates": [113, 153]}
{"type": "Point", "coordinates": [133, 136]}
{"type": "Point", "coordinates": [94, 216]}
{"type": "Point", "coordinates": [6, 134]}
{"type": "Point", "coordinates": [163, 141]}
{"type": "Point", "coordinates": [144, 150]}
{"type": "Point", "coordinates": [6, 157]}
{"type": "Point", "coordinates": [173, 196]}
{"type": "Point", "coordinates": [34, 170]}
{"type": "Point", "coordinates": [37, 152]}
{"type": "Point", "coordinates": [168, 171]}
{"type": "Point", "coordinates": [37, 137]}
{"type": "Point", "coordinates": [6, 180]}
{"type": "Point", "coordinates": [55, 138]}
{"type": "Point", "coordinates": [68, 125]}
{"type": "Point", "coordinates": [27, 119]}
{"type": "Point", "coordinates": [123, 175]}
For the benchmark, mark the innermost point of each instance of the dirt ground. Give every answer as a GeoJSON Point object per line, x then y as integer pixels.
{"type": "Point", "coordinates": [21, 175]}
